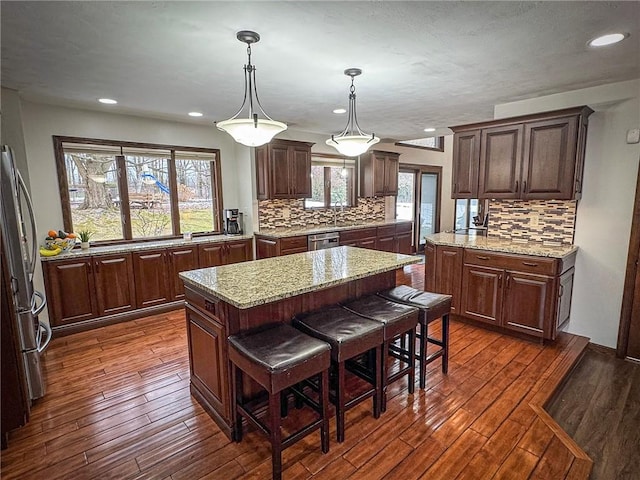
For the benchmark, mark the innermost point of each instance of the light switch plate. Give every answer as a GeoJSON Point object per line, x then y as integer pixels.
{"type": "Point", "coordinates": [633, 135]}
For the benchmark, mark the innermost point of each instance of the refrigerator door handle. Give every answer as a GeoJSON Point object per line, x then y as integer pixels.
{"type": "Point", "coordinates": [32, 219]}
{"type": "Point", "coordinates": [36, 310]}
{"type": "Point", "coordinates": [44, 328]}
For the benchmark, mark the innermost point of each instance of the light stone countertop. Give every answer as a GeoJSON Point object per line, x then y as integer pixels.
{"type": "Point", "coordinates": [249, 284]}
{"type": "Point", "coordinates": [495, 244]}
{"type": "Point", "coordinates": [135, 247]}
{"type": "Point", "coordinates": [283, 232]}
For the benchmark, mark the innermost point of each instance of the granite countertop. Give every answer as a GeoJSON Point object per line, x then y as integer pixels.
{"type": "Point", "coordinates": [539, 249]}
{"type": "Point", "coordinates": [135, 247]}
{"type": "Point", "coordinates": [283, 232]}
{"type": "Point", "coordinates": [249, 284]}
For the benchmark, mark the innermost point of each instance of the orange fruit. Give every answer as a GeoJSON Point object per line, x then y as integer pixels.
{"type": "Point", "coordinates": [52, 233]}
{"type": "Point", "coordinates": [71, 235]}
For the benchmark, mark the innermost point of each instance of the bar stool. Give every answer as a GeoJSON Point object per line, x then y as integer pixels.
{"type": "Point", "coordinates": [432, 306]}
{"type": "Point", "coordinates": [349, 335]}
{"type": "Point", "coordinates": [278, 357]}
{"type": "Point", "coordinates": [398, 320]}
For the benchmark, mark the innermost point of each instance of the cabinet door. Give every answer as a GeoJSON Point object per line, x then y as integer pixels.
{"type": "Point", "coordinates": [429, 267]}
{"type": "Point", "coordinates": [549, 162]}
{"type": "Point", "coordinates": [500, 162]}
{"type": "Point", "coordinates": [70, 291]}
{"type": "Point", "coordinates": [266, 248]}
{"type": "Point", "coordinates": [403, 241]}
{"type": "Point", "coordinates": [238, 251]}
{"type": "Point", "coordinates": [482, 293]}
{"type": "Point", "coordinates": [367, 243]}
{"type": "Point", "coordinates": [263, 182]}
{"type": "Point", "coordinates": [207, 354]}
{"type": "Point", "coordinates": [386, 240]}
{"type": "Point", "coordinates": [211, 255]}
{"type": "Point", "coordinates": [180, 260]}
{"type": "Point", "coordinates": [115, 285]}
{"type": "Point", "coordinates": [280, 172]}
{"type": "Point", "coordinates": [449, 274]}
{"type": "Point", "coordinates": [300, 171]}
{"type": "Point", "coordinates": [466, 162]}
{"type": "Point", "coordinates": [564, 300]}
{"type": "Point", "coordinates": [378, 161]}
{"type": "Point", "coordinates": [152, 279]}
{"type": "Point", "coordinates": [391, 165]}
{"type": "Point", "coordinates": [528, 303]}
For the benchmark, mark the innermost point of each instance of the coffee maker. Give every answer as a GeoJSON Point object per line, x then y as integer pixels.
{"type": "Point", "coordinates": [232, 221]}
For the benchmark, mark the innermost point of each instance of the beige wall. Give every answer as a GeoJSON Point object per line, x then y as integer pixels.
{"type": "Point", "coordinates": [603, 219]}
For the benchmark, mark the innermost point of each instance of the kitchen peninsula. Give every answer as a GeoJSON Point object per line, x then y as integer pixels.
{"type": "Point", "coordinates": [222, 301]}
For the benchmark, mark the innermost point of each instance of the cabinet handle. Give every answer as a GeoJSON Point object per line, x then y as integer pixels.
{"type": "Point", "coordinates": [530, 264]}
{"type": "Point", "coordinates": [455, 188]}
{"type": "Point", "coordinates": [90, 266]}
{"type": "Point", "coordinates": [577, 186]}
{"type": "Point", "coordinates": [560, 290]}
{"type": "Point", "coordinates": [508, 280]}
{"type": "Point", "coordinates": [482, 257]}
{"type": "Point", "coordinates": [524, 186]}
{"type": "Point", "coordinates": [517, 186]}
{"type": "Point", "coordinates": [97, 266]}
{"type": "Point", "coordinates": [500, 281]}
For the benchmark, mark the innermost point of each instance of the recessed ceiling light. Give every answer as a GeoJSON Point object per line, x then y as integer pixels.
{"type": "Point", "coordinates": [608, 39]}
{"type": "Point", "coordinates": [108, 101]}
{"type": "Point", "coordinates": [430, 129]}
{"type": "Point", "coordinates": [340, 110]}
{"type": "Point", "coordinates": [195, 114]}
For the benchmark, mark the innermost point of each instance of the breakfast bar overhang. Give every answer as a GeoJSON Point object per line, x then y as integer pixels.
{"type": "Point", "coordinates": [222, 301]}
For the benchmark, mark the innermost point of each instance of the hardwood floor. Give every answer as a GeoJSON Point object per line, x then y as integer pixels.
{"type": "Point", "coordinates": [599, 407]}
{"type": "Point", "coordinates": [118, 406]}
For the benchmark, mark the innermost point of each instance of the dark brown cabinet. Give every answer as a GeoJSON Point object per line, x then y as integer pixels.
{"type": "Point", "coordinates": [466, 161]}
{"type": "Point", "coordinates": [224, 253]}
{"type": "Point", "coordinates": [101, 285]}
{"type": "Point", "coordinates": [482, 293]}
{"type": "Point", "coordinates": [528, 303]}
{"type": "Point", "coordinates": [430, 267]}
{"type": "Point", "coordinates": [449, 273]}
{"type": "Point", "coordinates": [379, 173]}
{"type": "Point", "coordinates": [361, 237]}
{"type": "Point", "coordinates": [404, 238]}
{"type": "Point", "coordinates": [530, 157]}
{"type": "Point", "coordinates": [267, 247]}
{"type": "Point", "coordinates": [386, 239]}
{"type": "Point", "coordinates": [180, 260]}
{"type": "Point", "coordinates": [283, 169]}
{"type": "Point", "coordinates": [152, 281]}
{"type": "Point", "coordinates": [208, 360]}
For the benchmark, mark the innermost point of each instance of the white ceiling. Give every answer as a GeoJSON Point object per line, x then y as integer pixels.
{"type": "Point", "coordinates": [426, 64]}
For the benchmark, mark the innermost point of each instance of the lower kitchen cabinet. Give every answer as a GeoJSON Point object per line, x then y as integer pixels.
{"type": "Point", "coordinates": [207, 360]}
{"type": "Point", "coordinates": [522, 293]}
{"type": "Point", "coordinates": [152, 281]}
{"type": "Point", "coordinates": [386, 239]}
{"type": "Point", "coordinates": [84, 288]}
{"type": "Point", "coordinates": [267, 247]}
{"type": "Point", "coordinates": [90, 291]}
{"type": "Point", "coordinates": [361, 237]}
{"type": "Point", "coordinates": [404, 238]}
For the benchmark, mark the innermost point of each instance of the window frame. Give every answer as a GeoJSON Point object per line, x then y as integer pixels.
{"type": "Point", "coordinates": [352, 187]}
{"type": "Point", "coordinates": [439, 148]}
{"type": "Point", "coordinates": [65, 200]}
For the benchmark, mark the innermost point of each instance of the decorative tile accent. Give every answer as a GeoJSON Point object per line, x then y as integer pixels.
{"type": "Point", "coordinates": [291, 213]}
{"type": "Point", "coordinates": [549, 221]}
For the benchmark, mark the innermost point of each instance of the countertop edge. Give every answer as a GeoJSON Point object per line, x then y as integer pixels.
{"type": "Point", "coordinates": [326, 228]}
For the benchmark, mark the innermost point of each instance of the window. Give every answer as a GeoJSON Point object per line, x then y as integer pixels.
{"type": "Point", "coordinates": [469, 213]}
{"type": "Point", "coordinates": [428, 143]}
{"type": "Point", "coordinates": [124, 191]}
{"type": "Point", "coordinates": [332, 182]}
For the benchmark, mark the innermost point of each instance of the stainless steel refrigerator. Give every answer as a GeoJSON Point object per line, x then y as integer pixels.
{"type": "Point", "coordinates": [20, 241]}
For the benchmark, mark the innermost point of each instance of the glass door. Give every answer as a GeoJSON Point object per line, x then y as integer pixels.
{"type": "Point", "coordinates": [428, 207]}
{"type": "Point", "coordinates": [405, 201]}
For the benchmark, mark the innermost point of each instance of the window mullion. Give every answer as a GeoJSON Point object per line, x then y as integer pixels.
{"type": "Point", "coordinates": [173, 194]}
{"type": "Point", "coordinates": [327, 187]}
{"type": "Point", "coordinates": [125, 211]}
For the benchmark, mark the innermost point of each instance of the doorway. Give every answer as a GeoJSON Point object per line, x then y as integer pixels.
{"type": "Point", "coordinates": [418, 200]}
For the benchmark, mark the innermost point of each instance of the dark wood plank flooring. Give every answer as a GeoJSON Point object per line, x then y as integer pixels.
{"type": "Point", "coordinates": [599, 407]}
{"type": "Point", "coordinates": [118, 407]}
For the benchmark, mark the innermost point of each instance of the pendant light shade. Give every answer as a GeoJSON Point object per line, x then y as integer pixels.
{"type": "Point", "coordinates": [352, 141]}
{"type": "Point", "coordinates": [251, 131]}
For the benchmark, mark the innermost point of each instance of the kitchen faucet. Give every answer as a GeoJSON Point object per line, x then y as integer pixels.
{"type": "Point", "coordinates": [335, 211]}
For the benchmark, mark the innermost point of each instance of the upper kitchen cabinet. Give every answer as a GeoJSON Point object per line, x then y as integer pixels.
{"type": "Point", "coordinates": [283, 169]}
{"type": "Point", "coordinates": [533, 157]}
{"type": "Point", "coordinates": [379, 173]}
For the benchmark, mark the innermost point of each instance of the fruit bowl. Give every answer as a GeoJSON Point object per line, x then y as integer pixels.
{"type": "Point", "coordinates": [65, 244]}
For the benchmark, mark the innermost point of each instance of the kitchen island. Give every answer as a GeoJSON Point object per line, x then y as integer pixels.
{"type": "Point", "coordinates": [222, 301]}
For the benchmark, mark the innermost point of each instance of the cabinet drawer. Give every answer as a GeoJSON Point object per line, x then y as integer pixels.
{"type": "Point", "coordinates": [359, 234]}
{"type": "Point", "coordinates": [520, 263]}
{"type": "Point", "coordinates": [404, 227]}
{"type": "Point", "coordinates": [387, 231]}
{"type": "Point", "coordinates": [294, 243]}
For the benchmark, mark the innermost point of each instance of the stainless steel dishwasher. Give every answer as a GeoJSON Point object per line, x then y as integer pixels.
{"type": "Point", "coordinates": [323, 240]}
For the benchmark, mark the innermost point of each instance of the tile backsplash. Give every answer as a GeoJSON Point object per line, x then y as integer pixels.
{"type": "Point", "coordinates": [291, 213]}
{"type": "Point", "coordinates": [551, 221]}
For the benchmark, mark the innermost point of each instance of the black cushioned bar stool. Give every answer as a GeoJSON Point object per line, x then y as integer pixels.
{"type": "Point", "coordinates": [278, 357]}
{"type": "Point", "coordinates": [349, 335]}
{"type": "Point", "coordinates": [398, 320]}
{"type": "Point", "coordinates": [432, 306]}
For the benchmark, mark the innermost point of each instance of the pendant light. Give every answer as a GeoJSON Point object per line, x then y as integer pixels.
{"type": "Point", "coordinates": [251, 131]}
{"type": "Point", "coordinates": [352, 141]}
